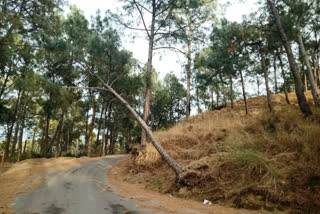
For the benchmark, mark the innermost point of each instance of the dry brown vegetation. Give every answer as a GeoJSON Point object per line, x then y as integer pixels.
{"type": "Point", "coordinates": [27, 175]}
{"type": "Point", "coordinates": [259, 161]}
{"type": "Point", "coordinates": [161, 203]}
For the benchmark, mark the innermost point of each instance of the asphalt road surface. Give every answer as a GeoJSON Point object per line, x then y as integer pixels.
{"type": "Point", "coordinates": [79, 190]}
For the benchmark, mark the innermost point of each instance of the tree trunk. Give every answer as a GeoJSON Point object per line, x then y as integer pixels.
{"type": "Point", "coordinates": [284, 80]}
{"type": "Point", "coordinates": [111, 146]}
{"type": "Point", "coordinates": [315, 71]}
{"type": "Point", "coordinates": [15, 139]}
{"type": "Point", "coordinates": [46, 135]}
{"type": "Point", "coordinates": [104, 132]}
{"type": "Point", "coordinates": [20, 138]}
{"type": "Point", "coordinates": [20, 123]}
{"type": "Point", "coordinates": [303, 104]}
{"type": "Point", "coordinates": [70, 138]}
{"type": "Point", "coordinates": [244, 92]}
{"type": "Point", "coordinates": [56, 133]}
{"type": "Point", "coordinates": [32, 144]}
{"type": "Point", "coordinates": [59, 131]}
{"type": "Point", "coordinates": [266, 78]}
{"type": "Point", "coordinates": [197, 97]}
{"type": "Point", "coordinates": [42, 140]}
{"type": "Point", "coordinates": [103, 149]}
{"type": "Point", "coordinates": [9, 133]}
{"type": "Point", "coordinates": [107, 140]}
{"type": "Point", "coordinates": [189, 64]}
{"type": "Point", "coordinates": [218, 96]}
{"type": "Point", "coordinates": [258, 85]}
{"type": "Point", "coordinates": [275, 74]}
{"type": "Point", "coordinates": [99, 125]}
{"type": "Point", "coordinates": [91, 129]}
{"type": "Point", "coordinates": [309, 69]}
{"type": "Point", "coordinates": [305, 78]}
{"type": "Point", "coordinates": [231, 92]}
{"type": "Point", "coordinates": [87, 128]}
{"type": "Point", "coordinates": [172, 163]}
{"type": "Point", "coordinates": [146, 110]}
{"type": "Point", "coordinates": [25, 146]}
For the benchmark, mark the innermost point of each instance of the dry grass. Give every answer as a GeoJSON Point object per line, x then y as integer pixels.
{"type": "Point", "coordinates": [261, 160]}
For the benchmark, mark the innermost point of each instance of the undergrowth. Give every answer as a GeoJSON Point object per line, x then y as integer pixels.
{"type": "Point", "coordinates": [263, 160]}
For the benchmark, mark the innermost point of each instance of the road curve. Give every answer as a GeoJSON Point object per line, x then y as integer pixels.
{"type": "Point", "coordinates": [79, 190]}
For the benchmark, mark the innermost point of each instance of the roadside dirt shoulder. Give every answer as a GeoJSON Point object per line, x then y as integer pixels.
{"type": "Point", "coordinates": [150, 200]}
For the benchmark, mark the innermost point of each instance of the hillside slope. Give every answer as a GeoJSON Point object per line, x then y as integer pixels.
{"type": "Point", "coordinates": [259, 161]}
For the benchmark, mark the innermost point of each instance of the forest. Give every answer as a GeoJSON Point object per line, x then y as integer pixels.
{"type": "Point", "coordinates": [53, 104]}
{"type": "Point", "coordinates": [69, 87]}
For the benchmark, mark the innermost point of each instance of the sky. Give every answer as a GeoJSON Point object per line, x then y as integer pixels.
{"type": "Point", "coordinates": [169, 61]}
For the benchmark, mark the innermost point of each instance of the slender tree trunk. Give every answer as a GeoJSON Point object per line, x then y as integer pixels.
{"type": "Point", "coordinates": [107, 115]}
{"type": "Point", "coordinates": [107, 139]}
{"type": "Point", "coordinates": [10, 129]}
{"type": "Point", "coordinates": [91, 129]}
{"type": "Point", "coordinates": [275, 74]}
{"type": "Point", "coordinates": [20, 117]}
{"type": "Point", "coordinates": [231, 92]}
{"type": "Point", "coordinates": [46, 138]}
{"type": "Point", "coordinates": [189, 64]}
{"type": "Point", "coordinates": [32, 144]}
{"type": "Point", "coordinates": [266, 78]}
{"type": "Point", "coordinates": [56, 134]}
{"type": "Point", "coordinates": [70, 138]}
{"type": "Point", "coordinates": [309, 69]}
{"type": "Point", "coordinates": [111, 142]}
{"type": "Point", "coordinates": [7, 145]}
{"type": "Point", "coordinates": [303, 104]}
{"type": "Point", "coordinates": [197, 97]}
{"type": "Point", "coordinates": [172, 163]}
{"type": "Point", "coordinates": [25, 146]}
{"type": "Point", "coordinates": [15, 139]}
{"type": "Point", "coordinates": [317, 67]}
{"type": "Point", "coordinates": [103, 153]}
{"type": "Point", "coordinates": [284, 79]}
{"type": "Point", "coordinates": [146, 110]}
{"type": "Point", "coordinates": [218, 96]}
{"type": "Point", "coordinates": [87, 128]}
{"type": "Point", "coordinates": [77, 153]}
{"type": "Point", "coordinates": [315, 71]}
{"type": "Point", "coordinates": [59, 131]}
{"type": "Point", "coordinates": [244, 92]}
{"type": "Point", "coordinates": [258, 85]}
{"type": "Point", "coordinates": [42, 140]}
{"type": "Point", "coordinates": [21, 138]}
{"type": "Point", "coordinates": [99, 125]}
{"type": "Point", "coordinates": [305, 80]}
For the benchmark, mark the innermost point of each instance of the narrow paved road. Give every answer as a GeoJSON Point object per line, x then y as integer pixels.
{"type": "Point", "coordinates": [79, 190]}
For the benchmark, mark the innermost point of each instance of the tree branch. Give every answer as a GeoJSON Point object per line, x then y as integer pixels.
{"type": "Point", "coordinates": [171, 48]}
{"type": "Point", "coordinates": [142, 18]}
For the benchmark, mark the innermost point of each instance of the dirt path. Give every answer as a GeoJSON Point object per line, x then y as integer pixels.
{"type": "Point", "coordinates": [79, 190]}
{"type": "Point", "coordinates": [71, 186]}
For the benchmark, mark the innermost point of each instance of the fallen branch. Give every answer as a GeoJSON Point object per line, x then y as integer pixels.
{"type": "Point", "coordinates": [172, 163]}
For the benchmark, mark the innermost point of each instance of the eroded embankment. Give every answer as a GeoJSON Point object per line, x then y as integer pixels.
{"type": "Point", "coordinates": [258, 161]}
